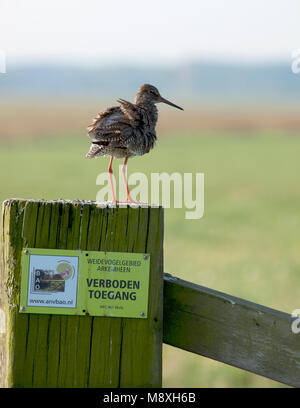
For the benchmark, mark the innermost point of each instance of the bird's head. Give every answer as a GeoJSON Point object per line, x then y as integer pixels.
{"type": "Point", "coordinates": [149, 94]}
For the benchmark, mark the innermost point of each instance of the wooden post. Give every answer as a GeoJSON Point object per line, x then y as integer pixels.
{"type": "Point", "coordinates": [80, 351]}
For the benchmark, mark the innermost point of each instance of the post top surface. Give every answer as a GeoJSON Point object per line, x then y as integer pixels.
{"type": "Point", "coordinates": [100, 204]}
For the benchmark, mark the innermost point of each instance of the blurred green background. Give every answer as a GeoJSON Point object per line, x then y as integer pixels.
{"type": "Point", "coordinates": [233, 67]}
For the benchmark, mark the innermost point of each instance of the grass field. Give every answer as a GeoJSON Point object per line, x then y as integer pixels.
{"type": "Point", "coordinates": [247, 244]}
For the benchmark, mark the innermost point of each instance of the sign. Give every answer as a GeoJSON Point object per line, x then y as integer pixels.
{"type": "Point", "coordinates": [113, 284]}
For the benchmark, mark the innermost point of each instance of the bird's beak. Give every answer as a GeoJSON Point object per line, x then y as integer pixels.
{"type": "Point", "coordinates": [161, 99]}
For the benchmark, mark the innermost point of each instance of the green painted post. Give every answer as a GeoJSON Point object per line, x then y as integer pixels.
{"type": "Point", "coordinates": [80, 351]}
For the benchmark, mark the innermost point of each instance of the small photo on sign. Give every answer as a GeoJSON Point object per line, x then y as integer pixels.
{"type": "Point", "coordinates": [52, 281]}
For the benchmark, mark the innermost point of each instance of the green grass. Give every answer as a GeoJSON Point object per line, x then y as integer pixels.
{"type": "Point", "coordinates": [247, 244]}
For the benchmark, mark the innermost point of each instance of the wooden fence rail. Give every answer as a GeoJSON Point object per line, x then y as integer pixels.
{"type": "Point", "coordinates": [231, 330]}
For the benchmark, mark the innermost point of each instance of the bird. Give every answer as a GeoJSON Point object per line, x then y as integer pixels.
{"type": "Point", "coordinates": [126, 130]}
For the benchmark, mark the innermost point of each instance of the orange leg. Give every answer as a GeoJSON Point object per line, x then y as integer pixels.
{"type": "Point", "coordinates": [125, 180]}
{"type": "Point", "coordinates": [110, 172]}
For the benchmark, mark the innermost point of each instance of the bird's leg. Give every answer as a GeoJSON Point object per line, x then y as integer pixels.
{"type": "Point", "coordinates": [125, 180]}
{"type": "Point", "coordinates": [110, 172]}
{"type": "Point", "coordinates": [129, 199]}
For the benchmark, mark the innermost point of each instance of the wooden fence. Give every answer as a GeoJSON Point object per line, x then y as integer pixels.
{"type": "Point", "coordinates": [85, 351]}
{"type": "Point", "coordinates": [231, 330]}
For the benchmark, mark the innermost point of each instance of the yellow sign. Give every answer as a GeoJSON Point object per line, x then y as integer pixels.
{"type": "Point", "coordinates": [116, 283]}
{"type": "Point", "coordinates": [113, 284]}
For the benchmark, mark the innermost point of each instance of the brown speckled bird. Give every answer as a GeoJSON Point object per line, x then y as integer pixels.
{"type": "Point", "coordinates": [126, 130]}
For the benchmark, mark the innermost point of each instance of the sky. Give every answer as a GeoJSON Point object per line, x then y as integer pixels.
{"type": "Point", "coordinates": [148, 32]}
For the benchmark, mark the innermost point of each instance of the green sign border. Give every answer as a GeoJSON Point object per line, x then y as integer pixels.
{"type": "Point", "coordinates": [83, 305]}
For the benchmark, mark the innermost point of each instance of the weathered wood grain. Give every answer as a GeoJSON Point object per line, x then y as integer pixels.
{"type": "Point", "coordinates": [231, 330]}
{"type": "Point", "coordinates": [135, 341]}
{"type": "Point", "coordinates": [80, 351]}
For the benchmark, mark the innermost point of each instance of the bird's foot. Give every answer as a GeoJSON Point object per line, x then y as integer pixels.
{"type": "Point", "coordinates": [124, 202]}
{"type": "Point", "coordinates": [131, 201]}
{"type": "Point", "coordinates": [128, 202]}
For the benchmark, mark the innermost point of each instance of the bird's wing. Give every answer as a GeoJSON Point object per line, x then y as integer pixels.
{"type": "Point", "coordinates": [111, 128]}
{"type": "Point", "coordinates": [106, 118]}
{"type": "Point", "coordinates": [130, 110]}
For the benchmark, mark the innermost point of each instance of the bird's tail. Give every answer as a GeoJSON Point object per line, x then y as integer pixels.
{"type": "Point", "coordinates": [95, 150]}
